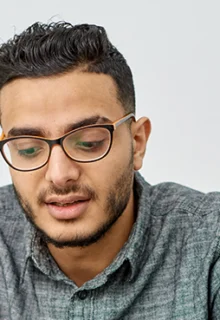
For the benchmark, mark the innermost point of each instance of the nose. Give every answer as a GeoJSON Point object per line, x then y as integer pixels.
{"type": "Point", "coordinates": [61, 170]}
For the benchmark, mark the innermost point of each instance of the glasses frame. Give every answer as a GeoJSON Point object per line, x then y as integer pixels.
{"type": "Point", "coordinates": [111, 127]}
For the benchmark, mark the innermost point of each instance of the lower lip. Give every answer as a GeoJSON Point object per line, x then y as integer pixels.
{"type": "Point", "coordinates": [72, 211]}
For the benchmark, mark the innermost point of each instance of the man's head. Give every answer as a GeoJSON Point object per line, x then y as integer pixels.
{"type": "Point", "coordinates": [54, 78]}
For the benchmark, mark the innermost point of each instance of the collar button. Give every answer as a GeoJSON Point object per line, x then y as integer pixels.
{"type": "Point", "coordinates": [82, 295]}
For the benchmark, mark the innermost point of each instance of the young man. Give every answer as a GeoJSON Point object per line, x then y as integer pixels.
{"type": "Point", "coordinates": [82, 235]}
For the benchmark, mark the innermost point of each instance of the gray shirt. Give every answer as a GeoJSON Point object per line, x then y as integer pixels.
{"type": "Point", "coordinates": [168, 269]}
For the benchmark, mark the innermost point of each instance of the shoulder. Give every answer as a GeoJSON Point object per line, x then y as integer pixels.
{"type": "Point", "coordinates": [168, 197]}
{"type": "Point", "coordinates": [12, 218]}
{"type": "Point", "coordinates": [176, 206]}
{"type": "Point", "coordinates": [9, 205]}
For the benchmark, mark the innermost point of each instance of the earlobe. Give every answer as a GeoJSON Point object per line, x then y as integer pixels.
{"type": "Point", "coordinates": [141, 131]}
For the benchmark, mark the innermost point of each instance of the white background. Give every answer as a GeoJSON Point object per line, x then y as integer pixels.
{"type": "Point", "coordinates": [173, 48]}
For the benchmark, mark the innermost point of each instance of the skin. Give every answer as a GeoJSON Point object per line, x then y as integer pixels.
{"type": "Point", "coordinates": [53, 104]}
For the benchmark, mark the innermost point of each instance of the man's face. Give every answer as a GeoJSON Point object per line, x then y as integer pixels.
{"type": "Point", "coordinates": [70, 203]}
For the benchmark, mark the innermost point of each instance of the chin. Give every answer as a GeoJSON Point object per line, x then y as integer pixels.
{"type": "Point", "coordinates": [78, 239]}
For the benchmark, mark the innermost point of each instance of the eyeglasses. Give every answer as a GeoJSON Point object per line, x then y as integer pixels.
{"type": "Point", "coordinates": [86, 144]}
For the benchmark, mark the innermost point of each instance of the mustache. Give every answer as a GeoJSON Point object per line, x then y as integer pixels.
{"type": "Point", "coordinates": [53, 190]}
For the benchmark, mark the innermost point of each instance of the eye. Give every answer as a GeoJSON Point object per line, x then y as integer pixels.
{"type": "Point", "coordinates": [89, 144]}
{"type": "Point", "coordinates": [29, 152]}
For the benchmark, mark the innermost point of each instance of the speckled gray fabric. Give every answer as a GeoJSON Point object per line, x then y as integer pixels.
{"type": "Point", "coordinates": [168, 269]}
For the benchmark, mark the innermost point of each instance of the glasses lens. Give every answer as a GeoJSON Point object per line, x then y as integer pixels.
{"type": "Point", "coordinates": [26, 153]}
{"type": "Point", "coordinates": [87, 144]}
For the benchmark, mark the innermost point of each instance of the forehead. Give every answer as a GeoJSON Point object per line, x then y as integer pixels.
{"type": "Point", "coordinates": [54, 102]}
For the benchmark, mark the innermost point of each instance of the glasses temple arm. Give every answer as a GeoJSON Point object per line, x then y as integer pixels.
{"type": "Point", "coordinates": [2, 136]}
{"type": "Point", "coordinates": [130, 115]}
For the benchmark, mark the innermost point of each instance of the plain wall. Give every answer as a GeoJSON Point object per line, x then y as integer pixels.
{"type": "Point", "coordinates": [173, 49]}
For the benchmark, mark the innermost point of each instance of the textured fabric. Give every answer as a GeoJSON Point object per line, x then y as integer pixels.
{"type": "Point", "coordinates": [168, 269]}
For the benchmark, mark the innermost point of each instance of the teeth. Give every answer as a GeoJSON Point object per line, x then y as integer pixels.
{"type": "Point", "coordinates": [65, 204]}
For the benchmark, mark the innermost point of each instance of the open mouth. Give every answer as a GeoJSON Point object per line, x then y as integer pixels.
{"type": "Point", "coordinates": [66, 204]}
{"type": "Point", "coordinates": [65, 210]}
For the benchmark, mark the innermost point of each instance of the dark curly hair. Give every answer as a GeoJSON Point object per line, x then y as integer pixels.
{"type": "Point", "coordinates": [56, 48]}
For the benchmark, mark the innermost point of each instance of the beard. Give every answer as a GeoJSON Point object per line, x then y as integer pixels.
{"type": "Point", "coordinates": [116, 202]}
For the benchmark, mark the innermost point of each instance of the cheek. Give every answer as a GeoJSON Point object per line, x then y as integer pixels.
{"type": "Point", "coordinates": [25, 182]}
{"type": "Point", "coordinates": [105, 173]}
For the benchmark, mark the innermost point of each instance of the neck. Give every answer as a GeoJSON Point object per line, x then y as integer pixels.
{"type": "Point", "coordinates": [83, 264]}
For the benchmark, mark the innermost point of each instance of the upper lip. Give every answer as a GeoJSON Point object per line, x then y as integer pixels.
{"type": "Point", "coordinates": [66, 199]}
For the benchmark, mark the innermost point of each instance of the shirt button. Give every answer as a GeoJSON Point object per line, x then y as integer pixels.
{"type": "Point", "coordinates": [82, 294]}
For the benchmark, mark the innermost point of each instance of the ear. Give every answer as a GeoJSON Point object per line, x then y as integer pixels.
{"type": "Point", "coordinates": [141, 131]}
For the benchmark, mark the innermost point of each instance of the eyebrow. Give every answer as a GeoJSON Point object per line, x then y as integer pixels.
{"type": "Point", "coordinates": [27, 131]}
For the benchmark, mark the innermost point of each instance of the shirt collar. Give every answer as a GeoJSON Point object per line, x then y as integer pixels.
{"type": "Point", "coordinates": [37, 252]}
